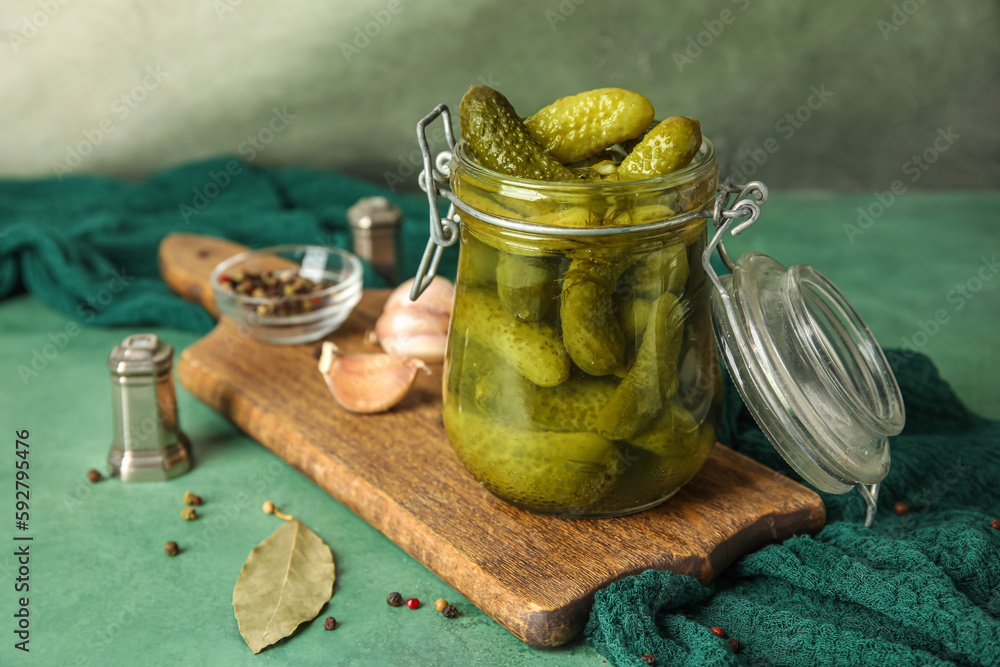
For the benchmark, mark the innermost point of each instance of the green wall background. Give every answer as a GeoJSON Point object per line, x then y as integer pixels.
{"type": "Point", "coordinates": [890, 89]}
{"type": "Point", "coordinates": [897, 72]}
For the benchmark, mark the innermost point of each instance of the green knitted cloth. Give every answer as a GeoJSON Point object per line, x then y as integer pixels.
{"type": "Point", "coordinates": [86, 246]}
{"type": "Point", "coordinates": [917, 590]}
{"type": "Point", "coordinates": [921, 589]}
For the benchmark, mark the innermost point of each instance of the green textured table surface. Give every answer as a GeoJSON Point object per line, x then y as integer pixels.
{"type": "Point", "coordinates": [103, 592]}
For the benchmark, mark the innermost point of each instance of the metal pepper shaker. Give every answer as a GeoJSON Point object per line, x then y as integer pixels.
{"type": "Point", "coordinates": [375, 225]}
{"type": "Point", "coordinates": [147, 444]}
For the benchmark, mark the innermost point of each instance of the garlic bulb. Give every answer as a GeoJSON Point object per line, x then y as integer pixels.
{"type": "Point", "coordinates": [417, 329]}
{"type": "Point", "coordinates": [439, 295]}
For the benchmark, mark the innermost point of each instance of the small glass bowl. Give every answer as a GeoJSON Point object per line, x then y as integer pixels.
{"type": "Point", "coordinates": [296, 318]}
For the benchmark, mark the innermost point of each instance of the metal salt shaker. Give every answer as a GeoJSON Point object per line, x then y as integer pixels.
{"type": "Point", "coordinates": [375, 225]}
{"type": "Point", "coordinates": [147, 444]}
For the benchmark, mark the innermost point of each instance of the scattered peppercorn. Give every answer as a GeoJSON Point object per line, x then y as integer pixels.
{"type": "Point", "coordinates": [440, 604]}
{"type": "Point", "coordinates": [413, 603]}
{"type": "Point", "coordinates": [318, 352]}
{"type": "Point", "coordinates": [171, 548]}
{"type": "Point", "coordinates": [394, 600]}
{"type": "Point", "coordinates": [995, 524]}
{"type": "Point", "coordinates": [719, 632]}
{"type": "Point", "coordinates": [330, 623]}
{"type": "Point", "coordinates": [189, 514]}
{"type": "Point", "coordinates": [268, 507]}
{"type": "Point", "coordinates": [734, 644]}
{"type": "Point", "coordinates": [94, 476]}
{"type": "Point", "coordinates": [450, 611]}
{"type": "Point", "coordinates": [902, 509]}
{"type": "Point", "coordinates": [191, 498]}
{"type": "Point", "coordinates": [648, 659]}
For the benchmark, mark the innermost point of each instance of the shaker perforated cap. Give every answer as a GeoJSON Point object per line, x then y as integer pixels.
{"type": "Point", "coordinates": [141, 354]}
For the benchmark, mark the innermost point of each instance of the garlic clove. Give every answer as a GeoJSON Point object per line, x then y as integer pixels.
{"type": "Point", "coordinates": [368, 383]}
{"type": "Point", "coordinates": [439, 295]}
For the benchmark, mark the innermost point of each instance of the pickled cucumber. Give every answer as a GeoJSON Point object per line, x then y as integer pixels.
{"type": "Point", "coordinates": [591, 331]}
{"type": "Point", "coordinates": [650, 478]}
{"type": "Point", "coordinates": [603, 171]}
{"type": "Point", "coordinates": [550, 472]}
{"type": "Point", "coordinates": [640, 215]}
{"type": "Point", "coordinates": [573, 406]}
{"type": "Point", "coordinates": [533, 348]}
{"type": "Point", "coordinates": [662, 270]}
{"type": "Point", "coordinates": [673, 434]}
{"type": "Point", "coordinates": [527, 285]}
{"type": "Point", "coordinates": [570, 217]}
{"type": "Point", "coordinates": [500, 141]}
{"type": "Point", "coordinates": [634, 316]}
{"type": "Point", "coordinates": [576, 127]}
{"type": "Point", "coordinates": [669, 146]}
{"type": "Point", "coordinates": [652, 379]}
{"type": "Point", "coordinates": [477, 261]}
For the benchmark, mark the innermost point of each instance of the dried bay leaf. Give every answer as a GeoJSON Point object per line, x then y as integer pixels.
{"type": "Point", "coordinates": [284, 582]}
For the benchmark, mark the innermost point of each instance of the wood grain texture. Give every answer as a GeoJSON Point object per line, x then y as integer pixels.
{"type": "Point", "coordinates": [186, 261]}
{"type": "Point", "coordinates": [535, 574]}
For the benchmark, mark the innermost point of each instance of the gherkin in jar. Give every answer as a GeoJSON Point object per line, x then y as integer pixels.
{"type": "Point", "coordinates": [578, 381]}
{"type": "Point", "coordinates": [541, 470]}
{"type": "Point", "coordinates": [527, 285]}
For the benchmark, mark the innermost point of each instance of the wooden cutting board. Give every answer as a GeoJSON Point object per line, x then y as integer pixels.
{"type": "Point", "coordinates": [536, 575]}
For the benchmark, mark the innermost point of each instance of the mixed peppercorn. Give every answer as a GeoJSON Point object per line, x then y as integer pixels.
{"type": "Point", "coordinates": [276, 286]}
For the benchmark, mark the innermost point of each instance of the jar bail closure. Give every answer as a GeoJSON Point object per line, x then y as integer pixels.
{"type": "Point", "coordinates": [809, 371]}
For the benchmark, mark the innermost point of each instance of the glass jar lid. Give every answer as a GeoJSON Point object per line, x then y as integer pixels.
{"type": "Point", "coordinates": [809, 371]}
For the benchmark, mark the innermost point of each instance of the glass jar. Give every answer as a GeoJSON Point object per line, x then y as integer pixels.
{"type": "Point", "coordinates": [581, 376]}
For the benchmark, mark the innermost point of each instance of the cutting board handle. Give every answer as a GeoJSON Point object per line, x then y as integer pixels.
{"type": "Point", "coordinates": [186, 264]}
